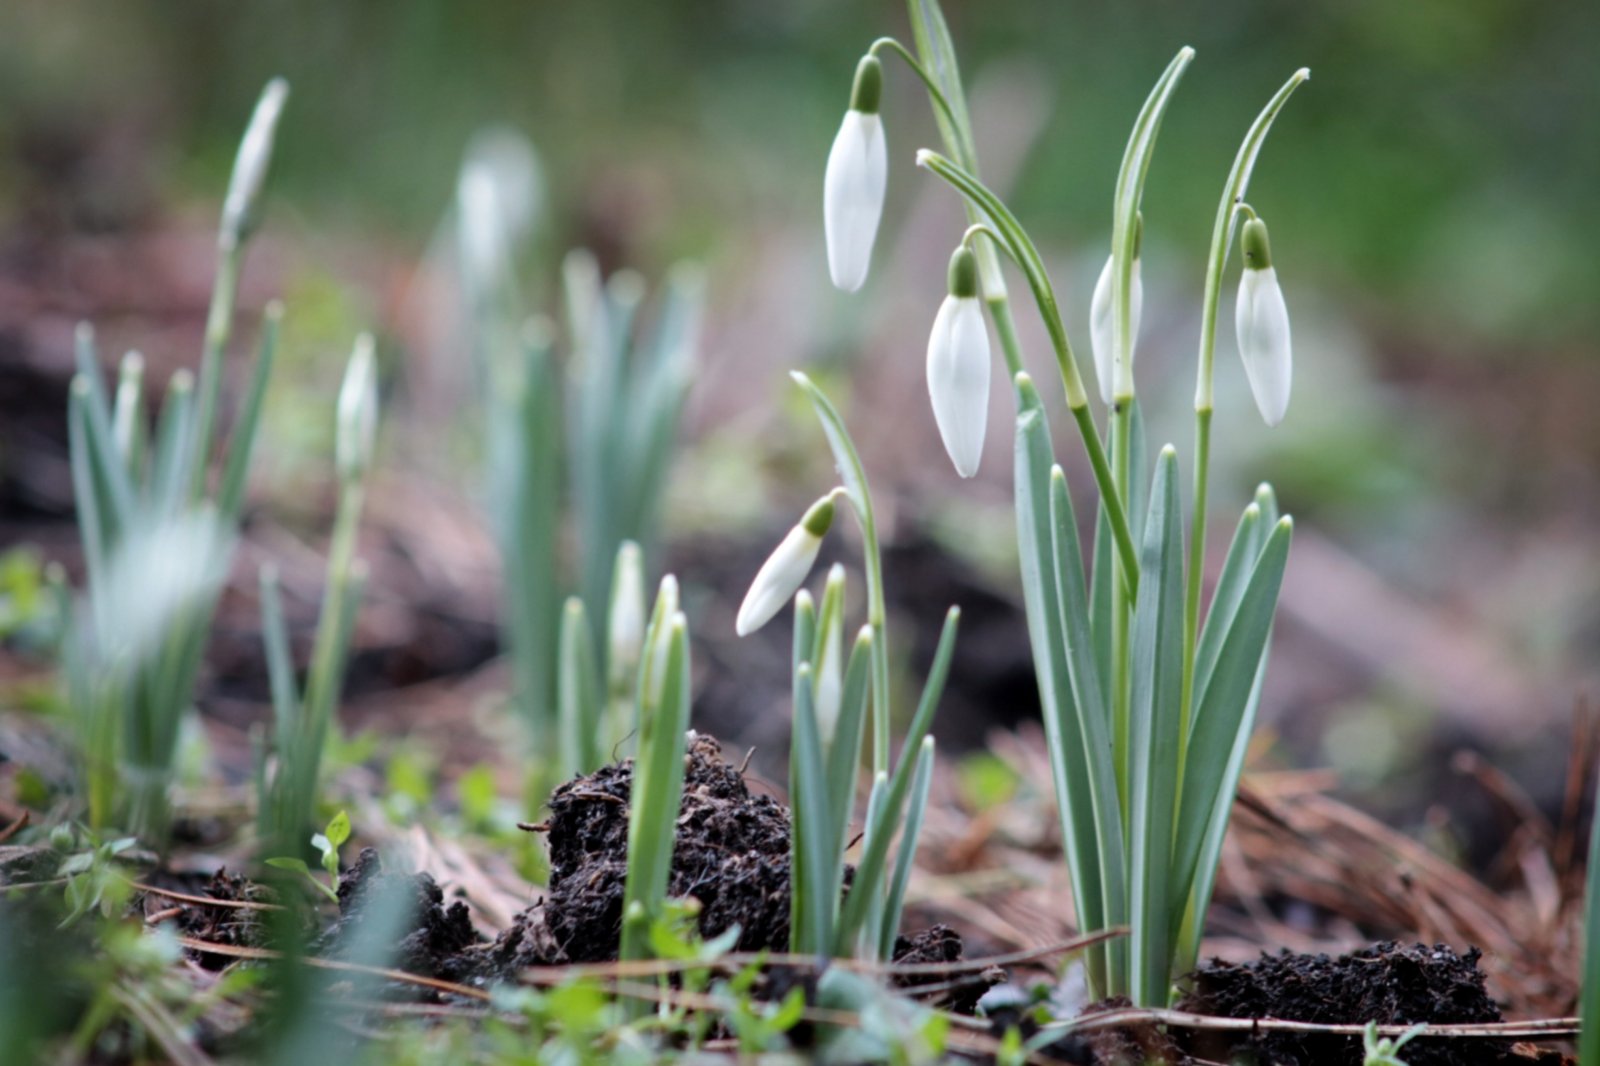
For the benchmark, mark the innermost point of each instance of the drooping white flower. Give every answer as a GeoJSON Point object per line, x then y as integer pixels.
{"type": "Point", "coordinates": [1102, 332]}
{"type": "Point", "coordinates": [958, 366]}
{"type": "Point", "coordinates": [853, 187]}
{"type": "Point", "coordinates": [785, 569]}
{"type": "Point", "coordinates": [358, 412]}
{"type": "Point", "coordinates": [1262, 325]}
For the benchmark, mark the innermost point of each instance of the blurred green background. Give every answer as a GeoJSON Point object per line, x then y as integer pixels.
{"type": "Point", "coordinates": [1443, 165]}
{"type": "Point", "coordinates": [1432, 194]}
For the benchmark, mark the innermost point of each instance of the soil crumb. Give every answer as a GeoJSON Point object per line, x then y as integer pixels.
{"type": "Point", "coordinates": [436, 938]}
{"type": "Point", "coordinates": [1388, 983]}
{"type": "Point", "coordinates": [732, 854]}
{"type": "Point", "coordinates": [234, 926]}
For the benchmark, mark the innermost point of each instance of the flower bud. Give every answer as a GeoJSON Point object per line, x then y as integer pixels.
{"type": "Point", "coordinates": [240, 209]}
{"type": "Point", "coordinates": [958, 366]}
{"type": "Point", "coordinates": [853, 187]}
{"type": "Point", "coordinates": [781, 575]}
{"type": "Point", "coordinates": [1262, 325]}
{"type": "Point", "coordinates": [1101, 330]}
{"type": "Point", "coordinates": [358, 412]}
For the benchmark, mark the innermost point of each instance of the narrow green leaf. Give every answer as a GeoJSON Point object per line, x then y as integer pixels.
{"type": "Point", "coordinates": [128, 417]}
{"type": "Point", "coordinates": [241, 445]}
{"type": "Point", "coordinates": [280, 666]}
{"type": "Point", "coordinates": [578, 693]}
{"type": "Point", "coordinates": [1071, 771]}
{"type": "Point", "coordinates": [1589, 995]}
{"type": "Point", "coordinates": [1210, 775]}
{"type": "Point", "coordinates": [844, 754]}
{"type": "Point", "coordinates": [866, 891]}
{"type": "Point", "coordinates": [1237, 568]}
{"type": "Point", "coordinates": [174, 448]}
{"type": "Point", "coordinates": [811, 915]}
{"type": "Point", "coordinates": [1154, 722]}
{"type": "Point", "coordinates": [657, 793]}
{"type": "Point", "coordinates": [907, 852]}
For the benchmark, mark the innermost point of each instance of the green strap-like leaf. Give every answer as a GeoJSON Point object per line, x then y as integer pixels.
{"type": "Point", "coordinates": [866, 891]}
{"type": "Point", "coordinates": [1154, 722]}
{"type": "Point", "coordinates": [578, 693]}
{"type": "Point", "coordinates": [1237, 568]}
{"type": "Point", "coordinates": [908, 849]}
{"type": "Point", "coordinates": [1219, 715]}
{"type": "Point", "coordinates": [657, 792]}
{"type": "Point", "coordinates": [811, 915]}
{"type": "Point", "coordinates": [1072, 773]}
{"type": "Point", "coordinates": [236, 470]}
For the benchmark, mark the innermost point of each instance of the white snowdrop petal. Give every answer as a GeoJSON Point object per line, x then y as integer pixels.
{"type": "Point", "coordinates": [1262, 323]}
{"type": "Point", "coordinates": [958, 380]}
{"type": "Point", "coordinates": [779, 578]}
{"type": "Point", "coordinates": [1102, 333]}
{"type": "Point", "coordinates": [853, 192]}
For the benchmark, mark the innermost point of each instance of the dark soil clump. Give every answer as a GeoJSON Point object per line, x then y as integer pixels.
{"type": "Point", "coordinates": [732, 855]}
{"type": "Point", "coordinates": [436, 938]}
{"type": "Point", "coordinates": [939, 944]}
{"type": "Point", "coordinates": [1387, 983]}
{"type": "Point", "coordinates": [240, 927]}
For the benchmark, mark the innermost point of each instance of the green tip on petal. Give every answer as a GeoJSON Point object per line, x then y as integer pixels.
{"type": "Point", "coordinates": [963, 273]}
{"type": "Point", "coordinates": [1257, 250]}
{"type": "Point", "coordinates": [819, 518]}
{"type": "Point", "coordinates": [868, 88]}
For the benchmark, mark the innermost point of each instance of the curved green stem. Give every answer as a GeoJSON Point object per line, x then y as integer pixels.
{"type": "Point", "coordinates": [1233, 194]}
{"type": "Point", "coordinates": [934, 92]}
{"type": "Point", "coordinates": [859, 494]}
{"type": "Point", "coordinates": [1026, 255]}
{"type": "Point", "coordinates": [1125, 228]}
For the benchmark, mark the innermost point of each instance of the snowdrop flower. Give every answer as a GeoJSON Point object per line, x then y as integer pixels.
{"type": "Point", "coordinates": [1102, 333]}
{"type": "Point", "coordinates": [958, 366]}
{"type": "Point", "coordinates": [780, 576]}
{"type": "Point", "coordinates": [1262, 324]}
{"type": "Point", "coordinates": [358, 412]}
{"type": "Point", "coordinates": [858, 171]}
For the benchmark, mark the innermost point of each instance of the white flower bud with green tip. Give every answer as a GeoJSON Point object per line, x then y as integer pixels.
{"type": "Point", "coordinates": [1262, 324]}
{"type": "Point", "coordinates": [1101, 328]}
{"type": "Point", "coordinates": [958, 366]}
{"type": "Point", "coordinates": [857, 175]}
{"type": "Point", "coordinates": [785, 569]}
{"type": "Point", "coordinates": [250, 166]}
{"type": "Point", "coordinates": [358, 412]}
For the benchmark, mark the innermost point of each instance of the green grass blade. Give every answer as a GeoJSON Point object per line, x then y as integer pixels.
{"type": "Point", "coordinates": [578, 694]}
{"type": "Point", "coordinates": [903, 862]}
{"type": "Point", "coordinates": [1211, 773]}
{"type": "Point", "coordinates": [128, 417]}
{"type": "Point", "coordinates": [174, 451]}
{"type": "Point", "coordinates": [236, 468]}
{"type": "Point", "coordinates": [866, 891]}
{"type": "Point", "coordinates": [1155, 721]}
{"type": "Point", "coordinates": [280, 665]}
{"type": "Point", "coordinates": [657, 792]}
{"type": "Point", "coordinates": [1071, 772]}
{"type": "Point", "coordinates": [844, 754]}
{"type": "Point", "coordinates": [1589, 995]}
{"type": "Point", "coordinates": [811, 910]}
{"type": "Point", "coordinates": [1237, 568]}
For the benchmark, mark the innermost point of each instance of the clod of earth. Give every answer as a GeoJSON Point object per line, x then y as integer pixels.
{"type": "Point", "coordinates": [1388, 983]}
